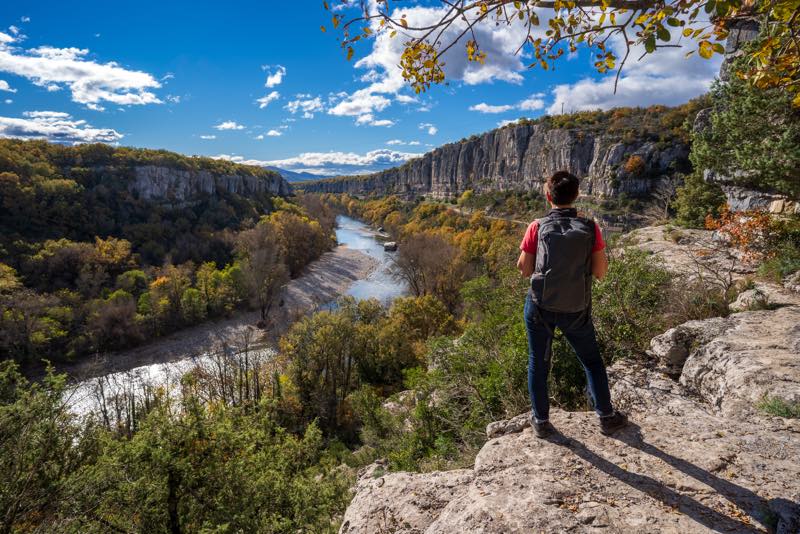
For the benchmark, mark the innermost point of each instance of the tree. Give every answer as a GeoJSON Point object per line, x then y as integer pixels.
{"type": "Point", "coordinates": [112, 322]}
{"type": "Point", "coordinates": [430, 265]}
{"type": "Point", "coordinates": [264, 272]}
{"type": "Point", "coordinates": [697, 199]}
{"type": "Point", "coordinates": [36, 451]}
{"type": "Point", "coordinates": [611, 29]}
{"type": "Point", "coordinates": [752, 137]}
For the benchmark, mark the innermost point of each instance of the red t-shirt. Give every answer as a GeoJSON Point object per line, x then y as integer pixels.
{"type": "Point", "coordinates": [531, 239]}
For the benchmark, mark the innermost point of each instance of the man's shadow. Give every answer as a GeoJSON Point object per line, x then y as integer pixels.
{"type": "Point", "coordinates": [777, 515]}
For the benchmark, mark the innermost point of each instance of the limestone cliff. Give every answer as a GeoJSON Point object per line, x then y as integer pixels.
{"type": "Point", "coordinates": [162, 183]}
{"type": "Point", "coordinates": [520, 157]}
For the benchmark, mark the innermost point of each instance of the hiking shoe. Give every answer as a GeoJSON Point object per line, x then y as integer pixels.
{"type": "Point", "coordinates": [612, 423]}
{"type": "Point", "coordinates": [543, 429]}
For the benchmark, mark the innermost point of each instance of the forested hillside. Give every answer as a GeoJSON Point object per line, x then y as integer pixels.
{"type": "Point", "coordinates": [103, 247]}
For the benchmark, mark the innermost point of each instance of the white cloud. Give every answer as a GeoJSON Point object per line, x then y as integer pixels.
{"type": "Point", "coordinates": [25, 19]}
{"type": "Point", "coordinates": [89, 82]}
{"type": "Point", "coordinates": [666, 77]}
{"type": "Point", "coordinates": [8, 101]}
{"type": "Point", "coordinates": [368, 119]}
{"type": "Point", "coordinates": [55, 126]}
{"type": "Point", "coordinates": [264, 101]}
{"type": "Point", "coordinates": [360, 102]}
{"type": "Point", "coordinates": [500, 42]}
{"type": "Point", "coordinates": [305, 104]}
{"type": "Point", "coordinates": [531, 103]}
{"type": "Point", "coordinates": [5, 87]}
{"type": "Point", "coordinates": [274, 133]}
{"type": "Point", "coordinates": [173, 99]}
{"type": "Point", "coordinates": [229, 125]}
{"type": "Point", "coordinates": [14, 30]}
{"type": "Point", "coordinates": [331, 163]}
{"type": "Point", "coordinates": [486, 108]}
{"type": "Point", "coordinates": [274, 77]}
{"type": "Point", "coordinates": [208, 137]}
{"type": "Point", "coordinates": [393, 142]}
{"type": "Point", "coordinates": [430, 128]}
{"type": "Point", "coordinates": [506, 122]}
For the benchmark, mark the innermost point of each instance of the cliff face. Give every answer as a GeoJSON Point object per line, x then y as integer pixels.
{"type": "Point", "coordinates": [520, 157]}
{"type": "Point", "coordinates": [161, 183]}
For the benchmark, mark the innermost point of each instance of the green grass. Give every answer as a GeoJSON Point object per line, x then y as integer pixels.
{"type": "Point", "coordinates": [779, 407]}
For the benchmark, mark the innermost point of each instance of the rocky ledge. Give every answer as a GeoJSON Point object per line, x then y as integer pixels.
{"type": "Point", "coordinates": [699, 455]}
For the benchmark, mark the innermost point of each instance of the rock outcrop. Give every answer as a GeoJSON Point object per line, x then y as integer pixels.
{"type": "Point", "coordinates": [167, 184]}
{"type": "Point", "coordinates": [690, 472]}
{"type": "Point", "coordinates": [520, 157]}
{"type": "Point", "coordinates": [681, 466]}
{"type": "Point", "coordinates": [700, 455]}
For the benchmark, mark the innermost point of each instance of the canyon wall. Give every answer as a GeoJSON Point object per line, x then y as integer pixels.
{"type": "Point", "coordinates": [520, 157]}
{"type": "Point", "coordinates": [161, 183]}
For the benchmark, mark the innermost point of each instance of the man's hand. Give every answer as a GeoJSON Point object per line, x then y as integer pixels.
{"type": "Point", "coordinates": [526, 263]}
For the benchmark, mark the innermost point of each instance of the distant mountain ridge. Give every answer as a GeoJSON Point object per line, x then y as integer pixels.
{"type": "Point", "coordinates": [294, 176]}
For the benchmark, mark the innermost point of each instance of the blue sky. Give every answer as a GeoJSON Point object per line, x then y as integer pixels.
{"type": "Point", "coordinates": [188, 76]}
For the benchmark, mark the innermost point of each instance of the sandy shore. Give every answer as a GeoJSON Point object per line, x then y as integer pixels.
{"type": "Point", "coordinates": [323, 281]}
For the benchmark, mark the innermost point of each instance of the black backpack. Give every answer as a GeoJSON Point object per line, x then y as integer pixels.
{"type": "Point", "coordinates": [562, 278]}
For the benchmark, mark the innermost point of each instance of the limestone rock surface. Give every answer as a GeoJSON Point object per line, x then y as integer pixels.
{"type": "Point", "coordinates": [664, 473]}
{"type": "Point", "coordinates": [151, 182]}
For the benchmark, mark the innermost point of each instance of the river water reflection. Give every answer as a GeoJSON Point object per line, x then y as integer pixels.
{"type": "Point", "coordinates": [380, 284]}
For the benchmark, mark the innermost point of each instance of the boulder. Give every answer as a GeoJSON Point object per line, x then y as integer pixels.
{"type": "Point", "coordinates": [756, 354]}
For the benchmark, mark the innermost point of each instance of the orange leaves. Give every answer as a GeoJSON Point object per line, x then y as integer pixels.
{"type": "Point", "coordinates": [748, 231]}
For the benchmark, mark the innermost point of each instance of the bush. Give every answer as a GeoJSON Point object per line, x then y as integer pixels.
{"type": "Point", "coordinates": [696, 200]}
{"type": "Point", "coordinates": [629, 304]}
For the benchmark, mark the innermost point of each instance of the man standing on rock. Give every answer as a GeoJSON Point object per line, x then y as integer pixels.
{"type": "Point", "coordinates": [560, 253]}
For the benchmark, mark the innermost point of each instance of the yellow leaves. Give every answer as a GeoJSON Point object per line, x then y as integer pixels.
{"type": "Point", "coordinates": [322, 29]}
{"type": "Point", "coordinates": [335, 21]}
{"type": "Point", "coordinates": [687, 32]}
{"type": "Point", "coordinates": [705, 50]}
{"type": "Point", "coordinates": [349, 53]}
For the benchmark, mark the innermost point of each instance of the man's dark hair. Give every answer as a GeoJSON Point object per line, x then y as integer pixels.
{"type": "Point", "coordinates": [563, 187]}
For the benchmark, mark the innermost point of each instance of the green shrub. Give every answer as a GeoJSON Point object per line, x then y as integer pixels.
{"type": "Point", "coordinates": [779, 407]}
{"type": "Point", "coordinates": [695, 200]}
{"type": "Point", "coordinates": [629, 304]}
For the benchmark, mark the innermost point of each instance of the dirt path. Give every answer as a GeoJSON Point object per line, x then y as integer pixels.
{"type": "Point", "coordinates": [323, 281]}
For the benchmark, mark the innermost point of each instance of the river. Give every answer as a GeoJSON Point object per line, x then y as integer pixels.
{"type": "Point", "coordinates": [358, 267]}
{"type": "Point", "coordinates": [380, 283]}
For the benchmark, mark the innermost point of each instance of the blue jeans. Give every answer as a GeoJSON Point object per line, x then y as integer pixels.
{"type": "Point", "coordinates": [579, 331]}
